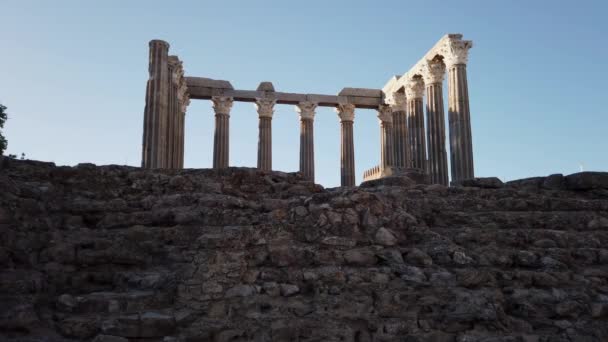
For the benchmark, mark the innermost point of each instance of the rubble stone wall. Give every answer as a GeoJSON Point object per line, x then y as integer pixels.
{"type": "Point", "coordinates": [114, 253]}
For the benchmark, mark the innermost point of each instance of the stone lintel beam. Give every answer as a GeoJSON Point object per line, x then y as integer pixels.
{"type": "Point", "coordinates": [360, 92]}
{"type": "Point", "coordinates": [206, 89]}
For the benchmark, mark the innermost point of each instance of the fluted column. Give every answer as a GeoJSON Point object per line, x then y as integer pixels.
{"type": "Point", "coordinates": [181, 103]}
{"type": "Point", "coordinates": [414, 91]}
{"type": "Point", "coordinates": [155, 112]}
{"type": "Point", "coordinates": [461, 144]}
{"type": "Point", "coordinates": [400, 134]}
{"type": "Point", "coordinates": [172, 114]}
{"type": "Point", "coordinates": [182, 132]}
{"type": "Point", "coordinates": [346, 113]}
{"type": "Point", "coordinates": [385, 116]}
{"type": "Point", "coordinates": [265, 108]}
{"type": "Point", "coordinates": [438, 159]}
{"type": "Point", "coordinates": [306, 110]}
{"type": "Point", "coordinates": [221, 138]}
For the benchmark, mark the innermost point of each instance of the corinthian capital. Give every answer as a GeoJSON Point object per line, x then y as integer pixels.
{"type": "Point", "coordinates": [176, 69]}
{"type": "Point", "coordinates": [398, 102]}
{"type": "Point", "coordinates": [457, 52]}
{"type": "Point", "coordinates": [306, 109]}
{"type": "Point", "coordinates": [433, 72]}
{"type": "Point", "coordinates": [222, 104]}
{"type": "Point", "coordinates": [346, 112]}
{"type": "Point", "coordinates": [265, 107]}
{"type": "Point", "coordinates": [414, 89]}
{"type": "Point", "coordinates": [184, 105]}
{"type": "Point", "coordinates": [385, 113]}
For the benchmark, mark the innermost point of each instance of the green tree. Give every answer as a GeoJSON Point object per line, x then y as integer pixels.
{"type": "Point", "coordinates": [3, 117]}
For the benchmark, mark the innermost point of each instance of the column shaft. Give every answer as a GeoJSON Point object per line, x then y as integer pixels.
{"type": "Point", "coordinates": [461, 145]}
{"type": "Point", "coordinates": [221, 138]}
{"type": "Point", "coordinates": [265, 144]}
{"type": "Point", "coordinates": [347, 154]}
{"type": "Point", "coordinates": [400, 139]}
{"type": "Point", "coordinates": [438, 164]}
{"type": "Point", "coordinates": [306, 109]}
{"type": "Point", "coordinates": [180, 144]}
{"type": "Point", "coordinates": [386, 144]}
{"type": "Point", "coordinates": [416, 134]}
{"type": "Point", "coordinates": [307, 149]}
{"type": "Point", "coordinates": [170, 128]}
{"type": "Point", "coordinates": [221, 141]}
{"type": "Point", "coordinates": [155, 112]}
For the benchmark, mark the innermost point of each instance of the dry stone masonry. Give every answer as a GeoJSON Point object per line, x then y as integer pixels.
{"type": "Point", "coordinates": [119, 254]}
{"type": "Point", "coordinates": [404, 140]}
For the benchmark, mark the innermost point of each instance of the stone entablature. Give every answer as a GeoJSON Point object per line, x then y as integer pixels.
{"type": "Point", "coordinates": [405, 138]}
{"type": "Point", "coordinates": [451, 47]}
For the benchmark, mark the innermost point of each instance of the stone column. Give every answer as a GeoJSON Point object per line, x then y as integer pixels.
{"type": "Point", "coordinates": [306, 110]}
{"type": "Point", "coordinates": [385, 116]}
{"type": "Point", "coordinates": [155, 112]}
{"type": "Point", "coordinates": [438, 159]}
{"type": "Point", "coordinates": [414, 91]}
{"type": "Point", "coordinates": [265, 108]}
{"type": "Point", "coordinates": [346, 113]}
{"type": "Point", "coordinates": [221, 138]}
{"type": "Point", "coordinates": [182, 134]}
{"type": "Point", "coordinates": [400, 135]}
{"type": "Point", "coordinates": [172, 113]}
{"type": "Point", "coordinates": [461, 144]}
{"type": "Point", "coordinates": [181, 104]}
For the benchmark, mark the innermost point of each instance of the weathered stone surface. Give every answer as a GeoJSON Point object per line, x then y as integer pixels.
{"type": "Point", "coordinates": [113, 253]}
{"type": "Point", "coordinates": [587, 180]}
{"type": "Point", "coordinates": [487, 182]}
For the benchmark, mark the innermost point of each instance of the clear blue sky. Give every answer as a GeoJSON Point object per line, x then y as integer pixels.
{"type": "Point", "coordinates": [73, 76]}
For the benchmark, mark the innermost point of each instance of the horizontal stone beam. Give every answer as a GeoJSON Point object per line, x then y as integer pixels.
{"type": "Point", "coordinates": [205, 88]}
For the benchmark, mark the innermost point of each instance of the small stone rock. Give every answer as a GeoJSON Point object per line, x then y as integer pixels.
{"type": "Point", "coordinates": [461, 258]}
{"type": "Point", "coordinates": [385, 237]}
{"type": "Point", "coordinates": [339, 241]}
{"type": "Point", "coordinates": [412, 273]}
{"type": "Point", "coordinates": [66, 302]}
{"type": "Point", "coordinates": [526, 258]}
{"type": "Point", "coordinates": [598, 223]}
{"type": "Point", "coordinates": [288, 290]}
{"type": "Point", "coordinates": [418, 257]}
{"type": "Point", "coordinates": [360, 257]}
{"type": "Point", "coordinates": [599, 310]}
{"type": "Point", "coordinates": [301, 211]}
{"type": "Point", "coordinates": [240, 291]}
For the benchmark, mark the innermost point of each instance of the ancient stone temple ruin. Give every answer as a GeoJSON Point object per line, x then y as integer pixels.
{"type": "Point", "coordinates": [409, 143]}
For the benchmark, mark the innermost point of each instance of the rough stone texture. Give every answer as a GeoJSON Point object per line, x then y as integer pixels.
{"type": "Point", "coordinates": [118, 253]}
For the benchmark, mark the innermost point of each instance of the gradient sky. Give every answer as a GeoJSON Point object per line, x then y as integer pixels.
{"type": "Point", "coordinates": [73, 76]}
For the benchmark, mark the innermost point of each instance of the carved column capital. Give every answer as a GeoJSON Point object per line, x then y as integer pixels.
{"type": "Point", "coordinates": [184, 104]}
{"type": "Point", "coordinates": [177, 71]}
{"type": "Point", "coordinates": [414, 89]}
{"type": "Point", "coordinates": [265, 107]}
{"type": "Point", "coordinates": [385, 114]}
{"type": "Point", "coordinates": [398, 102]}
{"type": "Point", "coordinates": [306, 109]}
{"type": "Point", "coordinates": [433, 72]}
{"type": "Point", "coordinates": [222, 104]}
{"type": "Point", "coordinates": [346, 112]}
{"type": "Point", "coordinates": [457, 52]}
